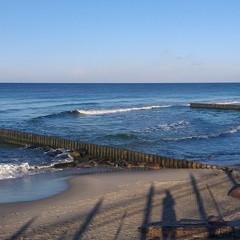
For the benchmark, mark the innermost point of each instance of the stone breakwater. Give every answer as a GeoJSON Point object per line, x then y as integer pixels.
{"type": "Point", "coordinates": [81, 149]}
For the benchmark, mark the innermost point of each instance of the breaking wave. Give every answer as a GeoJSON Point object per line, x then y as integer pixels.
{"type": "Point", "coordinates": [230, 101]}
{"type": "Point", "coordinates": [15, 170]}
{"type": "Point", "coordinates": [55, 115]}
{"type": "Point", "coordinates": [172, 126]}
{"type": "Point", "coordinates": [8, 171]}
{"type": "Point", "coordinates": [100, 111]}
{"type": "Point", "coordinates": [118, 110]}
{"type": "Point", "coordinates": [122, 136]}
{"type": "Point", "coordinates": [231, 131]}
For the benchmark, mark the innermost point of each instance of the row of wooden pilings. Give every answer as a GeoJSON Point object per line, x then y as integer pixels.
{"type": "Point", "coordinates": [22, 138]}
{"type": "Point", "coordinates": [216, 106]}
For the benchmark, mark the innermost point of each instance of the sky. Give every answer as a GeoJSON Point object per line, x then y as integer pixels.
{"type": "Point", "coordinates": [111, 41]}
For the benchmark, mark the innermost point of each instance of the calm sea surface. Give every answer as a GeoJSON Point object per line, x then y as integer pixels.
{"type": "Point", "coordinates": [149, 118]}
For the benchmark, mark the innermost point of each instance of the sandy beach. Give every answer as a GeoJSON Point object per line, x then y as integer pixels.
{"type": "Point", "coordinates": [114, 205]}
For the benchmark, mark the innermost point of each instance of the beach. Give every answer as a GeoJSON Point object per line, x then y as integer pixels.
{"type": "Point", "coordinates": [115, 205]}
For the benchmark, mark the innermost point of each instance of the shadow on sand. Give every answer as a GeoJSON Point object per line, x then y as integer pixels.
{"type": "Point", "coordinates": [20, 232]}
{"type": "Point", "coordinates": [148, 209]}
{"type": "Point", "coordinates": [168, 226]}
{"type": "Point", "coordinates": [88, 220]}
{"type": "Point", "coordinates": [167, 220]}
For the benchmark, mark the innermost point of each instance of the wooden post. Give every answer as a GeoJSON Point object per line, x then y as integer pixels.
{"type": "Point", "coordinates": [191, 231]}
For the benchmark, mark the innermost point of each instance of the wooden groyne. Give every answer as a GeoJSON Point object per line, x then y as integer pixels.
{"type": "Point", "coordinates": [22, 138]}
{"type": "Point", "coordinates": [216, 106]}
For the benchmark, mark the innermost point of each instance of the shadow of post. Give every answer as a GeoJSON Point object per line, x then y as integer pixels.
{"type": "Point", "coordinates": [148, 209]}
{"type": "Point", "coordinates": [88, 220]}
{"type": "Point", "coordinates": [22, 229]}
{"type": "Point", "coordinates": [214, 202]}
{"type": "Point", "coordinates": [199, 200]}
{"type": "Point", "coordinates": [120, 226]}
{"type": "Point", "coordinates": [168, 216]}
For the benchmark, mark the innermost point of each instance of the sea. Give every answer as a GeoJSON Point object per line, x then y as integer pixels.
{"type": "Point", "coordinates": [144, 117]}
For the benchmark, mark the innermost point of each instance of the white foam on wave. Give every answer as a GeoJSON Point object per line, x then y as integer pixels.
{"type": "Point", "coordinates": [234, 130]}
{"type": "Point", "coordinates": [118, 110]}
{"type": "Point", "coordinates": [59, 154]}
{"type": "Point", "coordinates": [225, 102]}
{"type": "Point", "coordinates": [174, 125]}
{"type": "Point", "coordinates": [15, 170]}
{"type": "Point", "coordinates": [188, 138]}
{"type": "Point", "coordinates": [8, 170]}
{"type": "Point", "coordinates": [231, 131]}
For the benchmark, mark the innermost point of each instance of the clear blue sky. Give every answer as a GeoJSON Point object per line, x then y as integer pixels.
{"type": "Point", "coordinates": [119, 40]}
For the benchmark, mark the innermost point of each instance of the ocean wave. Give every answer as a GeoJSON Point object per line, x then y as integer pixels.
{"type": "Point", "coordinates": [60, 155]}
{"type": "Point", "coordinates": [188, 138]}
{"type": "Point", "coordinates": [231, 131]}
{"type": "Point", "coordinates": [172, 126]}
{"type": "Point", "coordinates": [122, 136]}
{"type": "Point", "coordinates": [117, 110]}
{"type": "Point", "coordinates": [54, 115]}
{"type": "Point", "coordinates": [229, 101]}
{"type": "Point", "coordinates": [100, 111]}
{"type": "Point", "coordinates": [15, 170]}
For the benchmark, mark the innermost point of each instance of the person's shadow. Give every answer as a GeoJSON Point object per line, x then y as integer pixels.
{"type": "Point", "coordinates": [168, 217]}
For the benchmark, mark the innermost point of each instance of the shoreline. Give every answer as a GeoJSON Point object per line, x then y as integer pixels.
{"type": "Point", "coordinates": [38, 186]}
{"type": "Point", "coordinates": [114, 205]}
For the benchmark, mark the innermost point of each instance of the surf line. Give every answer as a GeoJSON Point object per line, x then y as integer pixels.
{"type": "Point", "coordinates": [117, 110]}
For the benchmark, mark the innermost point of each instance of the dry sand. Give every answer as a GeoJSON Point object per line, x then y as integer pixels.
{"type": "Point", "coordinates": [113, 205]}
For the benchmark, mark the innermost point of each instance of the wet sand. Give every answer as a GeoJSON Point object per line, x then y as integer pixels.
{"type": "Point", "coordinates": [113, 205]}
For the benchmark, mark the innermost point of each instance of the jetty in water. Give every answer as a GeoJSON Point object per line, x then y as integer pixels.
{"type": "Point", "coordinates": [112, 153]}
{"type": "Point", "coordinates": [215, 106]}
{"type": "Point", "coordinates": [98, 151]}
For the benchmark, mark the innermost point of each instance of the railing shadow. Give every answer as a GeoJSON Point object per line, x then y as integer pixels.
{"type": "Point", "coordinates": [148, 209]}
{"type": "Point", "coordinates": [214, 202]}
{"type": "Point", "coordinates": [170, 228]}
{"type": "Point", "coordinates": [88, 220]}
{"type": "Point", "coordinates": [120, 226]}
{"type": "Point", "coordinates": [201, 209]}
{"type": "Point", "coordinates": [18, 234]}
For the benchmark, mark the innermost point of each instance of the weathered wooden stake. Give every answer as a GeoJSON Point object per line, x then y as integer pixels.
{"type": "Point", "coordinates": [191, 231]}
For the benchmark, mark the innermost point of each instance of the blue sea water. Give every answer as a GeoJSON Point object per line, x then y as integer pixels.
{"type": "Point", "coordinates": [149, 118]}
